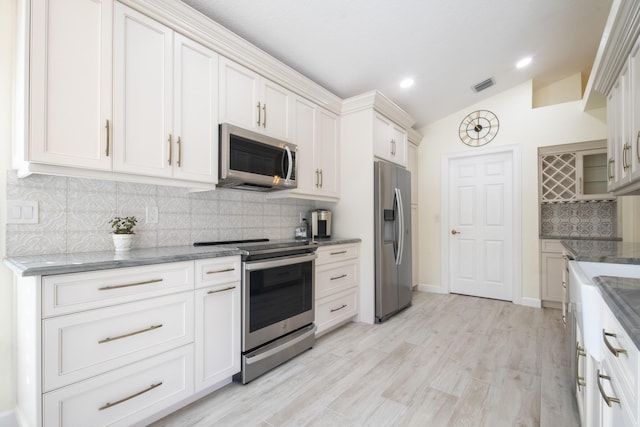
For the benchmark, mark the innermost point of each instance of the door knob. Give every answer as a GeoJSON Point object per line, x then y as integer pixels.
{"type": "Point", "coordinates": [455, 232]}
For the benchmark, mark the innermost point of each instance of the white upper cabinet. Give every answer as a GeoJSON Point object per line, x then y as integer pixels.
{"type": "Point", "coordinates": [390, 140]}
{"type": "Point", "coordinates": [195, 111]}
{"type": "Point", "coordinates": [316, 133]}
{"type": "Point", "coordinates": [253, 102]}
{"type": "Point", "coordinates": [634, 105]}
{"type": "Point", "coordinates": [165, 101]}
{"type": "Point", "coordinates": [70, 84]}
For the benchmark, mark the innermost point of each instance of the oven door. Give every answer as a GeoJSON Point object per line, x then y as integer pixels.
{"type": "Point", "coordinates": [277, 298]}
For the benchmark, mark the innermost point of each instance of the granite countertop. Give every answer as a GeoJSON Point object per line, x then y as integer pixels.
{"type": "Point", "coordinates": [336, 241]}
{"type": "Point", "coordinates": [548, 237]}
{"type": "Point", "coordinates": [40, 265]}
{"type": "Point", "coordinates": [615, 252]}
{"type": "Point", "coordinates": [622, 296]}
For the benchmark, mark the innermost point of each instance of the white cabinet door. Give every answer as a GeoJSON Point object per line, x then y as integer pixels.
{"type": "Point", "coordinates": [195, 114]}
{"type": "Point", "coordinates": [275, 109]}
{"type": "Point", "coordinates": [304, 134]}
{"type": "Point", "coordinates": [70, 83]}
{"type": "Point", "coordinates": [238, 95]}
{"type": "Point", "coordinates": [326, 153]}
{"type": "Point", "coordinates": [253, 102]}
{"type": "Point", "coordinates": [634, 64]}
{"type": "Point", "coordinates": [143, 79]}
{"type": "Point", "coordinates": [217, 316]}
{"type": "Point", "coordinates": [612, 138]}
{"type": "Point", "coordinates": [316, 133]}
{"type": "Point", "coordinates": [390, 140]}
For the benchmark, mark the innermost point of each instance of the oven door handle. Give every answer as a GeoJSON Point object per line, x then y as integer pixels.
{"type": "Point", "coordinates": [278, 262]}
{"type": "Point", "coordinates": [278, 349]}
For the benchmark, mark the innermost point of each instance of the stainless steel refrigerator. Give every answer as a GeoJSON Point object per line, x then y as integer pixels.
{"type": "Point", "coordinates": [392, 201]}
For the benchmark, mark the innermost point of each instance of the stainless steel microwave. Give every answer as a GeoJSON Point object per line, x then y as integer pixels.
{"type": "Point", "coordinates": [252, 161]}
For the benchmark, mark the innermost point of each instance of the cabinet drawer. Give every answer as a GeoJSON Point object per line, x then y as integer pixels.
{"type": "Point", "coordinates": [624, 365]}
{"type": "Point", "coordinates": [81, 345]}
{"type": "Point", "coordinates": [333, 310]}
{"type": "Point", "coordinates": [217, 271]}
{"type": "Point", "coordinates": [554, 246]}
{"type": "Point", "coordinates": [67, 293]}
{"type": "Point", "coordinates": [124, 396]}
{"type": "Point", "coordinates": [334, 253]}
{"type": "Point", "coordinates": [335, 277]}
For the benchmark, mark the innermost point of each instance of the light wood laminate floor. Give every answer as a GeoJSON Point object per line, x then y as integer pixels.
{"type": "Point", "coordinates": [448, 360]}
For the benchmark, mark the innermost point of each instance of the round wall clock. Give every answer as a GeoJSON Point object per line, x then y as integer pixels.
{"type": "Point", "coordinates": [479, 128]}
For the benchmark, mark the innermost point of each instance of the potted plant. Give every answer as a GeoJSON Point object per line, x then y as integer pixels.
{"type": "Point", "coordinates": [123, 232]}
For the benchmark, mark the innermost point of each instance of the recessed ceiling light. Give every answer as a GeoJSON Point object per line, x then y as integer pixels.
{"type": "Point", "coordinates": [524, 62]}
{"type": "Point", "coordinates": [408, 82]}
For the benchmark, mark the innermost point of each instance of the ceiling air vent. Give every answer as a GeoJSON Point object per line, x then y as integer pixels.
{"type": "Point", "coordinates": [483, 85]}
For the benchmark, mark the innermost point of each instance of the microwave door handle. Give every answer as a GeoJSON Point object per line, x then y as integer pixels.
{"type": "Point", "coordinates": [289, 163]}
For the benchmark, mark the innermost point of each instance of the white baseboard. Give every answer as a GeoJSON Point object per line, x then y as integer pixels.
{"type": "Point", "coordinates": [8, 419]}
{"type": "Point", "coordinates": [422, 287]}
{"type": "Point", "coordinates": [531, 302]}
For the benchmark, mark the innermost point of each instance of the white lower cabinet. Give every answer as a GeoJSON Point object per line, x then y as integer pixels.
{"type": "Point", "coordinates": [217, 314]}
{"type": "Point", "coordinates": [121, 346]}
{"type": "Point", "coordinates": [80, 345]}
{"type": "Point", "coordinates": [123, 396]}
{"type": "Point", "coordinates": [336, 288]}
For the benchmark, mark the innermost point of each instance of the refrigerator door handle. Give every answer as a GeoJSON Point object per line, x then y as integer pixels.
{"type": "Point", "coordinates": [400, 241]}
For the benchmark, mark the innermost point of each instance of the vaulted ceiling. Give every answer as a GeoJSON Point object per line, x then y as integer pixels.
{"type": "Point", "coordinates": [354, 46]}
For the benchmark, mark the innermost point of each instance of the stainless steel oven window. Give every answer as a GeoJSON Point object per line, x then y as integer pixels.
{"type": "Point", "coordinates": [278, 297]}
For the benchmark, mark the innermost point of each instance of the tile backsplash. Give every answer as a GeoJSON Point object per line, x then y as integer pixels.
{"type": "Point", "coordinates": [74, 214]}
{"type": "Point", "coordinates": [584, 219]}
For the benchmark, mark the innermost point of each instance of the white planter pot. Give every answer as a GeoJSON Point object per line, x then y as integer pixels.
{"type": "Point", "coordinates": [123, 242]}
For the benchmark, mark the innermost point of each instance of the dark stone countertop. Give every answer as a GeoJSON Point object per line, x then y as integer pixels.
{"type": "Point", "coordinates": [611, 251]}
{"type": "Point", "coordinates": [41, 265]}
{"type": "Point", "coordinates": [622, 296]}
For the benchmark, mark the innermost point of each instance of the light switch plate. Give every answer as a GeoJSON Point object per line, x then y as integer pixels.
{"type": "Point", "coordinates": [22, 212]}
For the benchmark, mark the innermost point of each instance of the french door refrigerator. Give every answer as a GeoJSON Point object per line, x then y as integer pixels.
{"type": "Point", "coordinates": [392, 200]}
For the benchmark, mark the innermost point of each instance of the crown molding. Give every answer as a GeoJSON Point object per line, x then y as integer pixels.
{"type": "Point", "coordinates": [379, 103]}
{"type": "Point", "coordinates": [620, 35]}
{"type": "Point", "coordinates": [189, 22]}
{"type": "Point", "coordinates": [414, 136]}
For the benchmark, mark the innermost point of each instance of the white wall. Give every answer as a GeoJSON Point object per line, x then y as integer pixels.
{"type": "Point", "coordinates": [7, 41]}
{"type": "Point", "coordinates": [519, 124]}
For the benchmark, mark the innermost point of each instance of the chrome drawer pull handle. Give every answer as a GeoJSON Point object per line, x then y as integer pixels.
{"type": "Point", "coordinates": [130, 334]}
{"type": "Point", "coordinates": [220, 290]}
{"type": "Point", "coordinates": [225, 270]}
{"type": "Point", "coordinates": [607, 399]}
{"type": "Point", "coordinates": [339, 277]}
{"type": "Point", "coordinates": [338, 253]}
{"type": "Point", "coordinates": [146, 282]}
{"type": "Point", "coordinates": [109, 404]}
{"type": "Point", "coordinates": [339, 308]}
{"type": "Point", "coordinates": [615, 351]}
{"type": "Point", "coordinates": [109, 138]}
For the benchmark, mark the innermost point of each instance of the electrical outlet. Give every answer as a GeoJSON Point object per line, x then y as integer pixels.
{"type": "Point", "coordinates": [152, 214]}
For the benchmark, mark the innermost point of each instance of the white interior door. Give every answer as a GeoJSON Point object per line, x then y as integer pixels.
{"type": "Point", "coordinates": [481, 223]}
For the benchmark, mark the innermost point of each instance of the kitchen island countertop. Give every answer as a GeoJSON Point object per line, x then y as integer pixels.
{"type": "Point", "coordinates": [622, 296]}
{"type": "Point", "coordinates": [611, 251]}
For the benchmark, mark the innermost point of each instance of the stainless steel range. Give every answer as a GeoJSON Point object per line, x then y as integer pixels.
{"type": "Point", "coordinates": [277, 302]}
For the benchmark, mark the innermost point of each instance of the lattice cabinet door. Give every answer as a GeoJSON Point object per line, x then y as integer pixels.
{"type": "Point", "coordinates": [558, 180]}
